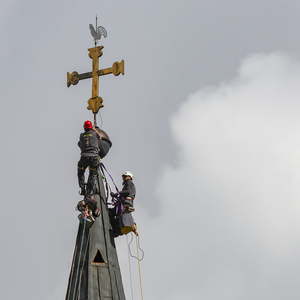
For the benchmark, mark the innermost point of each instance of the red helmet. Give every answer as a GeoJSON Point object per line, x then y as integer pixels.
{"type": "Point", "coordinates": [87, 125]}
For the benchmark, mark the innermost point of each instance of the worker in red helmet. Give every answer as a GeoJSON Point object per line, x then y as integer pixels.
{"type": "Point", "coordinates": [94, 144]}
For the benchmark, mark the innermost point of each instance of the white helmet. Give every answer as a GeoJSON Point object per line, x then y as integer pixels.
{"type": "Point", "coordinates": [127, 173]}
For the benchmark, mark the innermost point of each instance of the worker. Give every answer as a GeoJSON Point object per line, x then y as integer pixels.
{"type": "Point", "coordinates": [120, 215]}
{"type": "Point", "coordinates": [88, 208]}
{"type": "Point", "coordinates": [94, 144]}
{"type": "Point", "coordinates": [128, 191]}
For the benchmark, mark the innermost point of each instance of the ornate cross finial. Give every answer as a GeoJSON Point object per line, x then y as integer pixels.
{"type": "Point", "coordinates": [96, 102]}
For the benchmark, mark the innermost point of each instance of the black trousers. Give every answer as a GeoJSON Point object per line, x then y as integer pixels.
{"type": "Point", "coordinates": [91, 162]}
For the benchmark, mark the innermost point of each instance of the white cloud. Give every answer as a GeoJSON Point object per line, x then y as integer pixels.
{"type": "Point", "coordinates": [230, 226]}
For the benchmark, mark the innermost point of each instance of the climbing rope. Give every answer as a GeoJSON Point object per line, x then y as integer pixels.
{"type": "Point", "coordinates": [101, 119]}
{"type": "Point", "coordinates": [129, 266]}
{"type": "Point", "coordinates": [139, 265]}
{"type": "Point", "coordinates": [84, 258]}
{"type": "Point", "coordinates": [137, 257]}
{"type": "Point", "coordinates": [104, 231]}
{"type": "Point", "coordinates": [72, 271]}
{"type": "Point", "coordinates": [78, 273]}
{"type": "Point", "coordinates": [111, 178]}
{"type": "Point", "coordinates": [139, 249]}
{"type": "Point", "coordinates": [107, 186]}
{"type": "Point", "coordinates": [80, 252]}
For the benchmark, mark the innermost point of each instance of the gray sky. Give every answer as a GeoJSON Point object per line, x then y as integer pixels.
{"type": "Point", "coordinates": [172, 49]}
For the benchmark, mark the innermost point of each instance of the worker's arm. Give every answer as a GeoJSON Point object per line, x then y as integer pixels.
{"type": "Point", "coordinates": [79, 142]}
{"type": "Point", "coordinates": [124, 193]}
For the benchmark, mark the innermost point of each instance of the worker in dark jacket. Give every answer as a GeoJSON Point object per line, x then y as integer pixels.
{"type": "Point", "coordinates": [88, 208]}
{"type": "Point", "coordinates": [121, 215]}
{"type": "Point", "coordinates": [94, 144]}
{"type": "Point", "coordinates": [128, 190]}
{"type": "Point", "coordinates": [127, 194]}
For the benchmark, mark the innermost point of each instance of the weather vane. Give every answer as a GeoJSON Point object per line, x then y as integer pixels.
{"type": "Point", "coordinates": [97, 32]}
{"type": "Point", "coordinates": [96, 102]}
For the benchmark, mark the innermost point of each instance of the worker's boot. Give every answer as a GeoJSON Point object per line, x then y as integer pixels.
{"type": "Point", "coordinates": [134, 229]}
{"type": "Point", "coordinates": [82, 191]}
{"type": "Point", "coordinates": [82, 185]}
{"type": "Point", "coordinates": [81, 205]}
{"type": "Point", "coordinates": [91, 185]}
{"type": "Point", "coordinates": [91, 216]}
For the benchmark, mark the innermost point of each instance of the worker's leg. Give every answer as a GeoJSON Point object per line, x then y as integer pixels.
{"type": "Point", "coordinates": [82, 165]}
{"type": "Point", "coordinates": [94, 166]}
{"type": "Point", "coordinates": [128, 204]}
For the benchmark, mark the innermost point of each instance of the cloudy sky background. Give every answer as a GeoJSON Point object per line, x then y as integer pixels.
{"type": "Point", "coordinates": [206, 117]}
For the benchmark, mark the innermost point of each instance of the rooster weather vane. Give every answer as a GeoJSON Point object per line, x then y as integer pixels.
{"type": "Point", "coordinates": [98, 32]}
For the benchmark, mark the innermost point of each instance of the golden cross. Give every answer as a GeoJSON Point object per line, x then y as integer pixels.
{"type": "Point", "coordinates": [95, 102]}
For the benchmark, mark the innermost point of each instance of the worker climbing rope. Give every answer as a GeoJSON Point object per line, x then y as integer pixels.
{"type": "Point", "coordinates": [128, 191]}
{"type": "Point", "coordinates": [94, 144]}
{"type": "Point", "coordinates": [123, 206]}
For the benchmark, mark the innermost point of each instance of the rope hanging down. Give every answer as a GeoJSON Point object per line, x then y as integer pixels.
{"type": "Point", "coordinates": [104, 231]}
{"type": "Point", "coordinates": [111, 178]}
{"type": "Point", "coordinates": [107, 186]}
{"type": "Point", "coordinates": [139, 249]}
{"type": "Point", "coordinates": [139, 265]}
{"type": "Point", "coordinates": [79, 272]}
{"type": "Point", "coordinates": [138, 258]}
{"type": "Point", "coordinates": [129, 266]}
{"type": "Point", "coordinates": [84, 257]}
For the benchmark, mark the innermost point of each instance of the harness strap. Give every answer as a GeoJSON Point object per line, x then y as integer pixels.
{"type": "Point", "coordinates": [107, 186]}
{"type": "Point", "coordinates": [111, 178]}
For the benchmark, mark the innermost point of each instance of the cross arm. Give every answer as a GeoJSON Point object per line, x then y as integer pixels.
{"type": "Point", "coordinates": [117, 68]}
{"type": "Point", "coordinates": [74, 77]}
